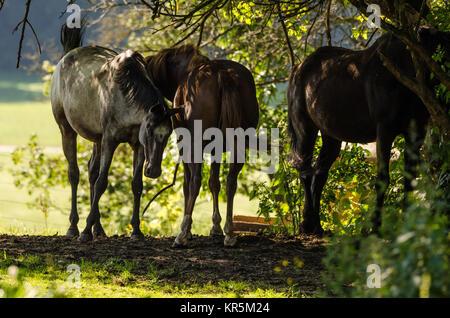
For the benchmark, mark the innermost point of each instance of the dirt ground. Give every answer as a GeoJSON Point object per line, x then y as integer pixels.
{"type": "Point", "coordinates": [269, 260]}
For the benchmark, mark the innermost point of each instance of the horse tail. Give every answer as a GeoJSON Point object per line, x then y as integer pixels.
{"type": "Point", "coordinates": [72, 38]}
{"type": "Point", "coordinates": [230, 113]}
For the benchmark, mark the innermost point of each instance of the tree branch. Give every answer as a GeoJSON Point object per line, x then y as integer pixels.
{"type": "Point", "coordinates": [327, 23]}
{"type": "Point", "coordinates": [437, 111]}
{"type": "Point", "coordinates": [24, 23]}
{"type": "Point", "coordinates": [288, 42]}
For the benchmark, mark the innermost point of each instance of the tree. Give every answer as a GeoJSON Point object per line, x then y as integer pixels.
{"type": "Point", "coordinates": [402, 18]}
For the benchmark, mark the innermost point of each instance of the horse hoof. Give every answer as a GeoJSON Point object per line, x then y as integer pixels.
{"type": "Point", "coordinates": [216, 231]}
{"type": "Point", "coordinates": [180, 241]}
{"type": "Point", "coordinates": [85, 237]}
{"type": "Point", "coordinates": [311, 229]}
{"type": "Point", "coordinates": [99, 235]}
{"type": "Point", "coordinates": [318, 231]}
{"type": "Point", "coordinates": [137, 236]}
{"type": "Point", "coordinates": [72, 232]}
{"type": "Point", "coordinates": [99, 232]}
{"type": "Point", "coordinates": [229, 241]}
{"type": "Point", "coordinates": [178, 245]}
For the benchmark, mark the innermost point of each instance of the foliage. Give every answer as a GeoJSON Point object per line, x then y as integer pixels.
{"type": "Point", "coordinates": [439, 15]}
{"type": "Point", "coordinates": [281, 197]}
{"type": "Point", "coordinates": [40, 172]}
{"type": "Point", "coordinates": [412, 255]}
{"type": "Point", "coordinates": [48, 69]}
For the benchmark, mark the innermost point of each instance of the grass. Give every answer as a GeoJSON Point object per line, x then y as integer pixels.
{"type": "Point", "coordinates": [24, 110]}
{"type": "Point", "coordinates": [18, 87]}
{"type": "Point", "coordinates": [19, 120]}
{"type": "Point", "coordinates": [113, 278]}
{"type": "Point", "coordinates": [16, 217]}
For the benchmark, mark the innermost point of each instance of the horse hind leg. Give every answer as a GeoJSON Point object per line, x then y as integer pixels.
{"type": "Point", "coordinates": [235, 168]}
{"type": "Point", "coordinates": [69, 143]}
{"type": "Point", "coordinates": [192, 188]}
{"type": "Point", "coordinates": [93, 168]}
{"type": "Point", "coordinates": [328, 154]}
{"type": "Point", "coordinates": [414, 139]}
{"type": "Point", "coordinates": [303, 148]}
{"type": "Point", "coordinates": [385, 137]}
{"type": "Point", "coordinates": [214, 186]}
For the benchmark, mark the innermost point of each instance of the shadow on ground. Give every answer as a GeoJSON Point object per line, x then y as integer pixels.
{"type": "Point", "coordinates": [269, 260]}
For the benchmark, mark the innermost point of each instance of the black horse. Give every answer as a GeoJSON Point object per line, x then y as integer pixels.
{"type": "Point", "coordinates": [350, 96]}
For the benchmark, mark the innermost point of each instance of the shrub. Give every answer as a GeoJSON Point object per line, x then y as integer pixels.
{"type": "Point", "coordinates": [412, 254]}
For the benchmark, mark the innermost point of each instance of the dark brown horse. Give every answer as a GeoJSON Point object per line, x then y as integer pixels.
{"type": "Point", "coordinates": [350, 96]}
{"type": "Point", "coordinates": [219, 93]}
{"type": "Point", "coordinates": [106, 98]}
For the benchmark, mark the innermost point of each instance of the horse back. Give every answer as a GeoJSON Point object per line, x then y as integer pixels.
{"type": "Point", "coordinates": [76, 84]}
{"type": "Point", "coordinates": [328, 89]}
{"type": "Point", "coordinates": [347, 93]}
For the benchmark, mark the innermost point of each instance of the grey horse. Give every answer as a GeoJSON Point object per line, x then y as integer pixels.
{"type": "Point", "coordinates": [106, 98]}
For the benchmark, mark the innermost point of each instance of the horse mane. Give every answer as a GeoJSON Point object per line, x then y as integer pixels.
{"type": "Point", "coordinates": [157, 65]}
{"type": "Point", "coordinates": [185, 52]}
{"type": "Point", "coordinates": [134, 82]}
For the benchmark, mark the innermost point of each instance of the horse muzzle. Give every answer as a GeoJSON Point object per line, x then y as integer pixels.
{"type": "Point", "coordinates": [152, 171]}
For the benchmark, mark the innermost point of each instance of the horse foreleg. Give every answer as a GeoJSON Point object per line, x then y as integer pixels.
{"type": "Point", "coordinates": [384, 144]}
{"type": "Point", "coordinates": [107, 150]}
{"type": "Point", "coordinates": [193, 183]}
{"type": "Point", "coordinates": [328, 154]}
{"type": "Point", "coordinates": [69, 143]}
{"type": "Point", "coordinates": [137, 187]}
{"type": "Point", "coordinates": [186, 182]}
{"type": "Point", "coordinates": [214, 186]}
{"type": "Point", "coordinates": [94, 166]}
{"type": "Point", "coordinates": [235, 168]}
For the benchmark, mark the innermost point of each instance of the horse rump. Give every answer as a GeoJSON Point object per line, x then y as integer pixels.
{"type": "Point", "coordinates": [231, 115]}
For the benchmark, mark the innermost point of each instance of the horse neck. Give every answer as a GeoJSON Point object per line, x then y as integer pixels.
{"type": "Point", "coordinates": [179, 70]}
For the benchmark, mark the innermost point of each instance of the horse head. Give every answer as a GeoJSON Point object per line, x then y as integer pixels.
{"type": "Point", "coordinates": [153, 135]}
{"type": "Point", "coordinates": [139, 90]}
